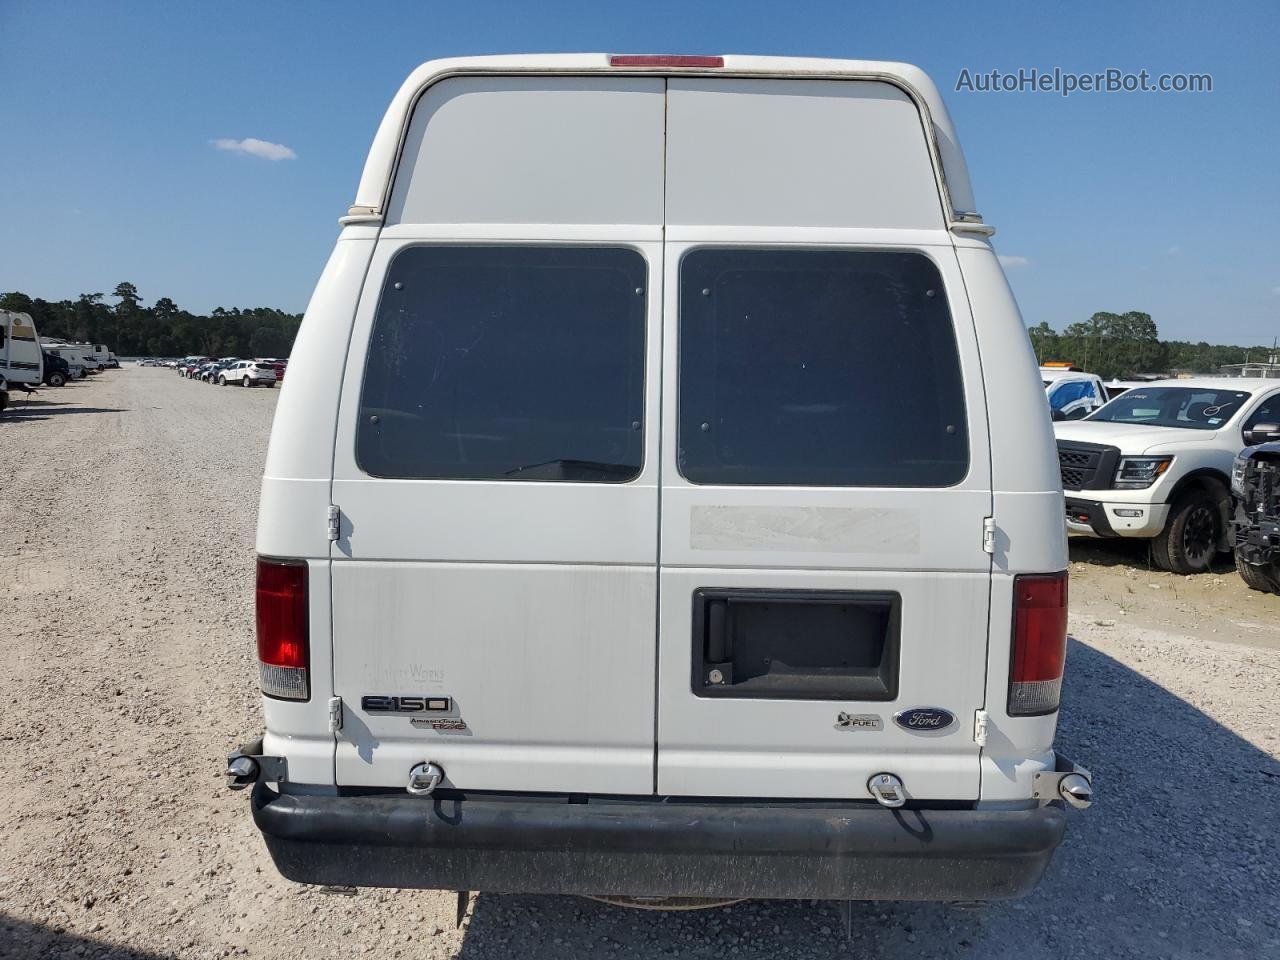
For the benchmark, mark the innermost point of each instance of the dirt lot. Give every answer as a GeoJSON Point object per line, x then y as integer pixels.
{"type": "Point", "coordinates": [127, 509]}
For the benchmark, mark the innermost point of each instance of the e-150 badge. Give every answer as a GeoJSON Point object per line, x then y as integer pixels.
{"type": "Point", "coordinates": [378, 703]}
{"type": "Point", "coordinates": [414, 706]}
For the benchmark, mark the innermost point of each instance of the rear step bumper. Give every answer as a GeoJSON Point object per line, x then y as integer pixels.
{"type": "Point", "coordinates": [658, 848]}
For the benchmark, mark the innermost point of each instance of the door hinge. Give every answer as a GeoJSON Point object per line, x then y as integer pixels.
{"type": "Point", "coordinates": [335, 714]}
{"type": "Point", "coordinates": [980, 719]}
{"type": "Point", "coordinates": [989, 534]}
{"type": "Point", "coordinates": [335, 522]}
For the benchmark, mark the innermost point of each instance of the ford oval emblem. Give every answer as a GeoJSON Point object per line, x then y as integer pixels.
{"type": "Point", "coordinates": [924, 719]}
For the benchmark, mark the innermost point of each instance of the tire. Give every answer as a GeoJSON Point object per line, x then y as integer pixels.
{"type": "Point", "coordinates": [222, 381]}
{"type": "Point", "coordinates": [1257, 578]}
{"type": "Point", "coordinates": [271, 384]}
{"type": "Point", "coordinates": [57, 380]}
{"type": "Point", "coordinates": [246, 383]}
{"type": "Point", "coordinates": [1189, 540]}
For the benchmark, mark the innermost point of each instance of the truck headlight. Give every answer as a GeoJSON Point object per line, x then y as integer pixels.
{"type": "Point", "coordinates": [1137, 473]}
{"type": "Point", "coordinates": [1238, 467]}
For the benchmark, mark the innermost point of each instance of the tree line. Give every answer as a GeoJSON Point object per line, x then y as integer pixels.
{"type": "Point", "coordinates": [1124, 344]}
{"type": "Point", "coordinates": [161, 330]}
{"type": "Point", "coordinates": [1108, 344]}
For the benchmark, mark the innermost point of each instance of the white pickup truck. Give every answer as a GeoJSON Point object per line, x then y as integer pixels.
{"type": "Point", "coordinates": [1156, 461]}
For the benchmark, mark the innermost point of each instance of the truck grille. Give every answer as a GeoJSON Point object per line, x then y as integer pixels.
{"type": "Point", "coordinates": [1086, 466]}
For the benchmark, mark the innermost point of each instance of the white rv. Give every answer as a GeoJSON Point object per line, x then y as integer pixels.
{"type": "Point", "coordinates": [21, 362]}
{"type": "Point", "coordinates": [601, 548]}
{"type": "Point", "coordinates": [75, 360]}
{"type": "Point", "coordinates": [78, 355]}
{"type": "Point", "coordinates": [100, 357]}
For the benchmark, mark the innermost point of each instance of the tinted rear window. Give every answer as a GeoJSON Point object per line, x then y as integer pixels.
{"type": "Point", "coordinates": [818, 367]}
{"type": "Point", "coordinates": [507, 363]}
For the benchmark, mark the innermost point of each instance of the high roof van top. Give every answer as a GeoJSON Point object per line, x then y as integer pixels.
{"type": "Point", "coordinates": [601, 548]}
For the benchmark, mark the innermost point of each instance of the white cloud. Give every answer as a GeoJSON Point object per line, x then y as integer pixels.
{"type": "Point", "coordinates": [256, 148]}
{"type": "Point", "coordinates": [1010, 262]}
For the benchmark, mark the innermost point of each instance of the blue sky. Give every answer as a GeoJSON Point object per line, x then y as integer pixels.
{"type": "Point", "coordinates": [1160, 202]}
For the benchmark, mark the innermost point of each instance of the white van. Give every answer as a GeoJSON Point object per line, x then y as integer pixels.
{"type": "Point", "coordinates": [21, 362]}
{"type": "Point", "coordinates": [601, 550]}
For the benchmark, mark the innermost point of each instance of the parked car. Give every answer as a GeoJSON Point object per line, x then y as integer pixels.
{"type": "Point", "coordinates": [56, 370]}
{"type": "Point", "coordinates": [248, 373]}
{"type": "Point", "coordinates": [277, 365]}
{"type": "Point", "coordinates": [211, 375]}
{"type": "Point", "coordinates": [208, 372]}
{"type": "Point", "coordinates": [663, 595]}
{"type": "Point", "coordinates": [1073, 394]}
{"type": "Point", "coordinates": [1155, 463]}
{"type": "Point", "coordinates": [1255, 486]}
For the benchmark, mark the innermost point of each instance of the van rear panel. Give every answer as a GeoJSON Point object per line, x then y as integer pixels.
{"type": "Point", "coordinates": [829, 436]}
{"type": "Point", "coordinates": [662, 452]}
{"type": "Point", "coordinates": [500, 486]}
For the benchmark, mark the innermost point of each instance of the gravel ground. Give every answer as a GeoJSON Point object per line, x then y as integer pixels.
{"type": "Point", "coordinates": [128, 510]}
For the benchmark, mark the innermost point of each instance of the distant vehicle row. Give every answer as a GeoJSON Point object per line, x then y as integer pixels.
{"type": "Point", "coordinates": [261, 371]}
{"type": "Point", "coordinates": [28, 360]}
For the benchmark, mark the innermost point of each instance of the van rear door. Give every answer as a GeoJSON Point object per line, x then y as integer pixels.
{"type": "Point", "coordinates": [495, 577]}
{"type": "Point", "coordinates": [782, 591]}
{"type": "Point", "coordinates": [824, 588]}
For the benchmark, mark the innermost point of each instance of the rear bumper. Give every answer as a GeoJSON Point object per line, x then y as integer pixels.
{"type": "Point", "coordinates": [657, 847]}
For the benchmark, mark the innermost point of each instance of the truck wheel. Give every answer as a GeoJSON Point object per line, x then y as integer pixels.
{"type": "Point", "coordinates": [57, 380]}
{"type": "Point", "coordinates": [247, 383]}
{"type": "Point", "coordinates": [1257, 578]}
{"type": "Point", "coordinates": [1189, 540]}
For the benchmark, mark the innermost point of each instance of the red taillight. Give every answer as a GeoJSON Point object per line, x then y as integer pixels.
{"type": "Point", "coordinates": [662, 60]}
{"type": "Point", "coordinates": [282, 629]}
{"type": "Point", "coordinates": [1039, 643]}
